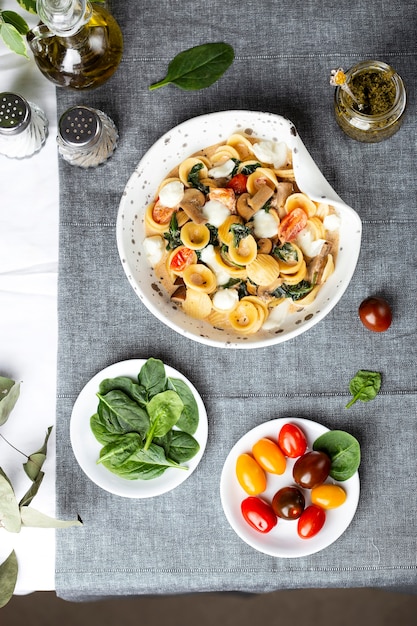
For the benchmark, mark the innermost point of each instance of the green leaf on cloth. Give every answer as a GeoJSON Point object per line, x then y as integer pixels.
{"type": "Point", "coordinates": [36, 519]}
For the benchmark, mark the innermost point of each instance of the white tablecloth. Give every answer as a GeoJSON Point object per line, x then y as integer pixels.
{"type": "Point", "coordinates": [29, 205]}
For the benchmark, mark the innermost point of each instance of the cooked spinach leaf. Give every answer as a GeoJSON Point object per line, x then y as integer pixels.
{"type": "Point", "coordinates": [239, 232]}
{"type": "Point", "coordinates": [173, 235]}
{"type": "Point", "coordinates": [194, 178]}
{"type": "Point", "coordinates": [286, 253]}
{"type": "Point", "coordinates": [295, 292]}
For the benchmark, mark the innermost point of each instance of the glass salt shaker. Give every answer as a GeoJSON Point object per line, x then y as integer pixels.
{"type": "Point", "coordinates": [23, 126]}
{"type": "Point", "coordinates": [86, 137]}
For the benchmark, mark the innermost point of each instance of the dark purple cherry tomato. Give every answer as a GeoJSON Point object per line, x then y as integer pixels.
{"type": "Point", "coordinates": [311, 521]}
{"type": "Point", "coordinates": [258, 514]}
{"type": "Point", "coordinates": [375, 314]}
{"type": "Point", "coordinates": [311, 469]}
{"type": "Point", "coordinates": [288, 503]}
{"type": "Point", "coordinates": [292, 441]}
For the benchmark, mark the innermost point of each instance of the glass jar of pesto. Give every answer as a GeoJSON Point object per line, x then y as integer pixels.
{"type": "Point", "coordinates": [380, 102]}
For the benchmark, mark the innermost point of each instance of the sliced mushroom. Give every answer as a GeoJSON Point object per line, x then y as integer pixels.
{"type": "Point", "coordinates": [317, 265]}
{"type": "Point", "coordinates": [179, 294]}
{"type": "Point", "coordinates": [283, 191]}
{"type": "Point", "coordinates": [243, 207]}
{"type": "Point", "coordinates": [192, 204]}
{"type": "Point", "coordinates": [261, 197]}
{"type": "Point", "coordinates": [264, 245]}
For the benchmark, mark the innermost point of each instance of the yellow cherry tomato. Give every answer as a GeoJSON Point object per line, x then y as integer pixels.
{"type": "Point", "coordinates": [250, 475]}
{"type": "Point", "coordinates": [269, 456]}
{"type": "Point", "coordinates": [328, 496]}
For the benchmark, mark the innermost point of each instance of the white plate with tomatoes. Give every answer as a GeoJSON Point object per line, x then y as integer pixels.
{"type": "Point", "coordinates": [280, 537]}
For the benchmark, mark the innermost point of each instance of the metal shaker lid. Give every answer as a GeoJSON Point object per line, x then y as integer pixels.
{"type": "Point", "coordinates": [80, 127]}
{"type": "Point", "coordinates": [15, 113]}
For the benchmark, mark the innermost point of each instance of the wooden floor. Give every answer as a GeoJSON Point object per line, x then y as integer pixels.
{"type": "Point", "coordinates": [303, 608]}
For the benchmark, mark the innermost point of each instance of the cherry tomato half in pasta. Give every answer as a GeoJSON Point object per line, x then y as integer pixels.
{"type": "Point", "coordinates": [258, 514]}
{"type": "Point", "coordinates": [238, 183]}
{"type": "Point", "coordinates": [250, 475]}
{"type": "Point", "coordinates": [292, 224]}
{"type": "Point", "coordinates": [375, 314]}
{"type": "Point", "coordinates": [292, 441]}
{"type": "Point", "coordinates": [182, 258]}
{"type": "Point", "coordinates": [311, 521]}
{"type": "Point", "coordinates": [269, 456]}
{"type": "Point", "coordinates": [161, 214]}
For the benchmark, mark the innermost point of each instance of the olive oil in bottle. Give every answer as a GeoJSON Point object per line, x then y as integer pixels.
{"type": "Point", "coordinates": [78, 44]}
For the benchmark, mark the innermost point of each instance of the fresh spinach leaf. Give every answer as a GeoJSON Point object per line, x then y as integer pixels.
{"type": "Point", "coordinates": [364, 386]}
{"type": "Point", "coordinates": [144, 464]}
{"type": "Point", "coordinates": [343, 450]}
{"type": "Point", "coordinates": [153, 377]}
{"type": "Point", "coordinates": [123, 414]}
{"type": "Point", "coordinates": [100, 430]}
{"type": "Point", "coordinates": [164, 412]}
{"type": "Point", "coordinates": [117, 452]}
{"type": "Point", "coordinates": [188, 420]}
{"type": "Point", "coordinates": [124, 383]}
{"type": "Point", "coordinates": [183, 446]}
{"type": "Point", "coordinates": [198, 67]}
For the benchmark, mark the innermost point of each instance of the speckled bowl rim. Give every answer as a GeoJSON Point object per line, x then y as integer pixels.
{"type": "Point", "coordinates": [179, 143]}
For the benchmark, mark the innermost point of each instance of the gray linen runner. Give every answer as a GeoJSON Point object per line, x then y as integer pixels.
{"type": "Point", "coordinates": [181, 541]}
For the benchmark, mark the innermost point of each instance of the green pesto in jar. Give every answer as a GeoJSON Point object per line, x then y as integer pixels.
{"type": "Point", "coordinates": [374, 90]}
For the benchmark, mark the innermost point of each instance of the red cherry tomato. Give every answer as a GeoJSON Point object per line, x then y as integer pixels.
{"type": "Point", "coordinates": [258, 514]}
{"type": "Point", "coordinates": [238, 183]}
{"type": "Point", "coordinates": [292, 441]}
{"type": "Point", "coordinates": [182, 258]}
{"type": "Point", "coordinates": [375, 314]}
{"type": "Point", "coordinates": [311, 521]}
{"type": "Point", "coordinates": [292, 224]}
{"type": "Point", "coordinates": [311, 469]}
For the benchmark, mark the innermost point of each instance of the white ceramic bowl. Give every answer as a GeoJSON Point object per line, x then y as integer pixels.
{"type": "Point", "coordinates": [179, 143]}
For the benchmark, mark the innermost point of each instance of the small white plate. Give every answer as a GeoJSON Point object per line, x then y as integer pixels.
{"type": "Point", "coordinates": [283, 540]}
{"type": "Point", "coordinates": [87, 449]}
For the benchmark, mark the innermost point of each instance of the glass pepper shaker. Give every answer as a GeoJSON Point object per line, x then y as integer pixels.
{"type": "Point", "coordinates": [86, 137]}
{"type": "Point", "coordinates": [23, 126]}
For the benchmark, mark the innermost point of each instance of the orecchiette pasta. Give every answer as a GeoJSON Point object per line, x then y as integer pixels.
{"type": "Point", "coordinates": [237, 237]}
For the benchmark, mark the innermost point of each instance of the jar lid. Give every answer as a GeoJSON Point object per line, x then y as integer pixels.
{"type": "Point", "coordinates": [15, 113]}
{"type": "Point", "coordinates": [80, 127]}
